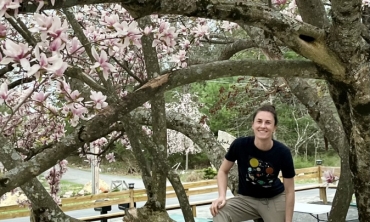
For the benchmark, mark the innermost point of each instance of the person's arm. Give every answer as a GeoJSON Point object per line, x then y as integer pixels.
{"type": "Point", "coordinates": [222, 186]}
{"type": "Point", "coordinates": [289, 198]}
{"type": "Point", "coordinates": [222, 177]}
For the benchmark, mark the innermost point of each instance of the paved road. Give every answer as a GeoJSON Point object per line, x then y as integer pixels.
{"type": "Point", "coordinates": [83, 177]}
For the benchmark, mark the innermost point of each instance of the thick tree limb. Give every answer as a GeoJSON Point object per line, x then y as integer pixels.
{"type": "Point", "coordinates": [235, 47]}
{"type": "Point", "coordinates": [33, 189]}
{"type": "Point", "coordinates": [345, 33]}
{"type": "Point", "coordinates": [100, 125]}
{"type": "Point", "coordinates": [40, 163]}
{"type": "Point", "coordinates": [159, 170]}
{"type": "Point", "coordinates": [305, 39]}
{"type": "Point", "coordinates": [141, 141]}
{"type": "Point", "coordinates": [313, 12]}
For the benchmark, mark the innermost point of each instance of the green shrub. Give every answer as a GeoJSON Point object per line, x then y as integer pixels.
{"type": "Point", "coordinates": [209, 173]}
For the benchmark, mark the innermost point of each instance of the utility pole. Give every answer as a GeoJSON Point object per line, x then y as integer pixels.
{"type": "Point", "coordinates": [94, 170]}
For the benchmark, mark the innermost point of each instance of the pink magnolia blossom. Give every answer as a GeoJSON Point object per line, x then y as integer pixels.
{"type": "Point", "coordinates": [57, 29]}
{"type": "Point", "coordinates": [3, 93]}
{"type": "Point", "coordinates": [201, 31]}
{"type": "Point", "coordinates": [278, 2]}
{"type": "Point", "coordinates": [109, 21]}
{"type": "Point", "coordinates": [59, 72]}
{"type": "Point", "coordinates": [148, 30]}
{"type": "Point", "coordinates": [130, 32]}
{"type": "Point", "coordinates": [77, 111]}
{"type": "Point", "coordinates": [40, 97]}
{"type": "Point", "coordinates": [90, 10]}
{"type": "Point", "coordinates": [56, 45]}
{"type": "Point", "coordinates": [165, 34]}
{"type": "Point", "coordinates": [51, 64]}
{"type": "Point", "coordinates": [329, 177]}
{"type": "Point", "coordinates": [228, 26]}
{"type": "Point", "coordinates": [99, 100]}
{"type": "Point", "coordinates": [42, 23]}
{"type": "Point", "coordinates": [8, 4]}
{"type": "Point", "coordinates": [110, 157]}
{"type": "Point", "coordinates": [146, 130]}
{"type": "Point", "coordinates": [75, 96]}
{"type": "Point", "coordinates": [101, 61]}
{"type": "Point", "coordinates": [54, 176]}
{"type": "Point", "coordinates": [63, 88]}
{"type": "Point", "coordinates": [99, 143]}
{"type": "Point", "coordinates": [15, 53]}
{"type": "Point", "coordinates": [75, 47]}
{"type": "Point", "coordinates": [185, 44]}
{"type": "Point", "coordinates": [182, 30]}
{"type": "Point", "coordinates": [180, 59]}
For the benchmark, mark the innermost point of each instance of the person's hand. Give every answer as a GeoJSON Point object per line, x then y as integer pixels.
{"type": "Point", "coordinates": [217, 204]}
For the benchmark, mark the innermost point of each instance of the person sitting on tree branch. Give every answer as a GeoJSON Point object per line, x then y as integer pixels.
{"type": "Point", "coordinates": [260, 159]}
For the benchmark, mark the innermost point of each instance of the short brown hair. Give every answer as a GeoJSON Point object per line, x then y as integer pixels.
{"type": "Point", "coordinates": [267, 108]}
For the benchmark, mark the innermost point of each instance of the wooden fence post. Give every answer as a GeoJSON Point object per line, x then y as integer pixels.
{"type": "Point", "coordinates": [131, 188]}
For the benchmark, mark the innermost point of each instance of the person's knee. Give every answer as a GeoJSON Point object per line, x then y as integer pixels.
{"type": "Point", "coordinates": [223, 214]}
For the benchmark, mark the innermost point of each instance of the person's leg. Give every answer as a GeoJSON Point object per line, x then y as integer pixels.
{"type": "Point", "coordinates": [273, 209]}
{"type": "Point", "coordinates": [238, 208]}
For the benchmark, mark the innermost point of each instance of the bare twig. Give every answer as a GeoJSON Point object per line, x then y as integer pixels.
{"type": "Point", "coordinates": [128, 71]}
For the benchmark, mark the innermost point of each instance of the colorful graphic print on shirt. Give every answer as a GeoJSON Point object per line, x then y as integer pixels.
{"type": "Point", "coordinates": [260, 173]}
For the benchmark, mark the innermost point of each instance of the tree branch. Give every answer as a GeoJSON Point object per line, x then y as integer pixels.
{"type": "Point", "coordinates": [237, 46]}
{"type": "Point", "coordinates": [40, 163]}
{"type": "Point", "coordinates": [77, 73]}
{"type": "Point", "coordinates": [22, 30]}
{"type": "Point", "coordinates": [313, 12]}
{"type": "Point", "coordinates": [129, 72]}
{"type": "Point", "coordinates": [33, 189]}
{"type": "Point", "coordinates": [346, 29]}
{"type": "Point", "coordinates": [303, 38]}
{"type": "Point", "coordinates": [84, 41]}
{"type": "Point", "coordinates": [100, 125]}
{"type": "Point", "coordinates": [5, 70]}
{"type": "Point", "coordinates": [21, 81]}
{"type": "Point", "coordinates": [198, 134]}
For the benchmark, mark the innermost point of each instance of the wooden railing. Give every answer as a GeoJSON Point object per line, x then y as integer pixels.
{"type": "Point", "coordinates": [139, 195]}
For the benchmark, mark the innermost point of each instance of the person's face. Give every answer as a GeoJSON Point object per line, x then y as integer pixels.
{"type": "Point", "coordinates": [264, 125]}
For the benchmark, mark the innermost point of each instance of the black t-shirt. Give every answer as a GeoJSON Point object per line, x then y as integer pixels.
{"type": "Point", "coordinates": [259, 170]}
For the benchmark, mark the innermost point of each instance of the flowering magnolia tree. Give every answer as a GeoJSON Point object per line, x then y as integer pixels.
{"type": "Point", "coordinates": [73, 72]}
{"type": "Point", "coordinates": [178, 142]}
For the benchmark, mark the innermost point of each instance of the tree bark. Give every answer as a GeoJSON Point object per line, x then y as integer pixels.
{"type": "Point", "coordinates": [199, 135]}
{"type": "Point", "coordinates": [102, 124]}
{"type": "Point", "coordinates": [142, 149]}
{"type": "Point", "coordinates": [313, 12]}
{"type": "Point", "coordinates": [159, 129]}
{"type": "Point", "coordinates": [326, 121]}
{"type": "Point", "coordinates": [44, 208]}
